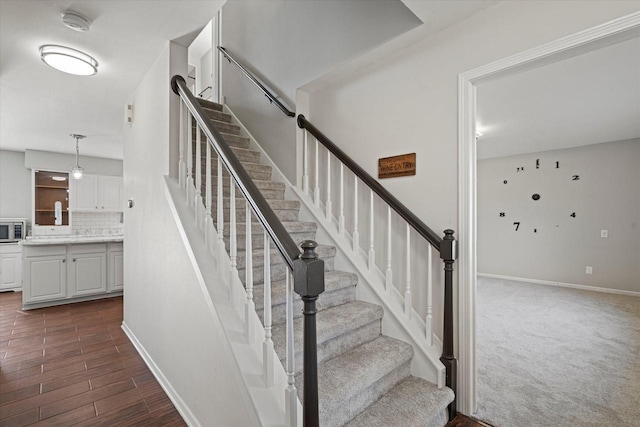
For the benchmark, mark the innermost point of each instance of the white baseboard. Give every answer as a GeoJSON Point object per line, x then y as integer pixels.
{"type": "Point", "coordinates": [563, 285]}
{"type": "Point", "coordinates": [175, 398]}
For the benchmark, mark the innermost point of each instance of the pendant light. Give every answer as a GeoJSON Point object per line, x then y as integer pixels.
{"type": "Point", "coordinates": [77, 171]}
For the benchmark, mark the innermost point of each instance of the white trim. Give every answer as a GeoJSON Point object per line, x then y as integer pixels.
{"type": "Point", "coordinates": [173, 395]}
{"type": "Point", "coordinates": [563, 284]}
{"type": "Point", "coordinates": [467, 181]}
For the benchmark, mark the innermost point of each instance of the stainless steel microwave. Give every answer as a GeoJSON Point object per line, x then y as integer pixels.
{"type": "Point", "coordinates": [12, 229]}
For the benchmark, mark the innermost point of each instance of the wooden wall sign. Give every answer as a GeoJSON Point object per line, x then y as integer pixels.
{"type": "Point", "coordinates": [402, 165]}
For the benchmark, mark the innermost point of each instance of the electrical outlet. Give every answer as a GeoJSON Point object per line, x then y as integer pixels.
{"type": "Point", "coordinates": [604, 233]}
{"type": "Point", "coordinates": [589, 269]}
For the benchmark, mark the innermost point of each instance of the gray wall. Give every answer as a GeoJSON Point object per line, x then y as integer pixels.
{"type": "Point", "coordinates": [15, 185]}
{"type": "Point", "coordinates": [606, 197]}
{"type": "Point", "coordinates": [288, 44]}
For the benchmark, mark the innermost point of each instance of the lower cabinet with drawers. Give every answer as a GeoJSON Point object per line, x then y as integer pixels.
{"type": "Point", "coordinates": [59, 274]}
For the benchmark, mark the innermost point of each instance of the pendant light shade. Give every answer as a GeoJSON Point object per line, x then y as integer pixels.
{"type": "Point", "coordinates": [68, 60]}
{"type": "Point", "coordinates": [77, 171]}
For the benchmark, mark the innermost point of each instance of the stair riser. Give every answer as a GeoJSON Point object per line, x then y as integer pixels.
{"type": "Point", "coordinates": [359, 402]}
{"type": "Point", "coordinates": [218, 115]}
{"type": "Point", "coordinates": [210, 105]}
{"type": "Point", "coordinates": [282, 214]}
{"type": "Point", "coordinates": [244, 155]}
{"type": "Point", "coordinates": [257, 240]}
{"type": "Point", "coordinates": [277, 270]}
{"type": "Point", "coordinates": [259, 173]}
{"type": "Point", "coordinates": [223, 127]}
{"type": "Point", "coordinates": [325, 301]}
{"type": "Point", "coordinates": [231, 140]}
{"type": "Point", "coordinates": [267, 191]}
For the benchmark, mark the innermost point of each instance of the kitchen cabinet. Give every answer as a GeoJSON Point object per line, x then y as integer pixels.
{"type": "Point", "coordinates": [10, 266]}
{"type": "Point", "coordinates": [50, 202]}
{"type": "Point", "coordinates": [58, 274]}
{"type": "Point", "coordinates": [116, 267]}
{"type": "Point", "coordinates": [97, 193]}
{"type": "Point", "coordinates": [87, 269]}
{"type": "Point", "coordinates": [45, 275]}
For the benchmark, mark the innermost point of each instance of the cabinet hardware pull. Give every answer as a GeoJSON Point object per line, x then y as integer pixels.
{"type": "Point", "coordinates": [74, 260]}
{"type": "Point", "coordinates": [64, 260]}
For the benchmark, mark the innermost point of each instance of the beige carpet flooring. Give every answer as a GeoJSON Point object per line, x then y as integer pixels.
{"type": "Point", "coordinates": [550, 356]}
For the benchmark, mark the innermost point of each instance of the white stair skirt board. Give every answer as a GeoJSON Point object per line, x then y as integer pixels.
{"type": "Point", "coordinates": [371, 282]}
{"type": "Point", "coordinates": [175, 398]}
{"type": "Point", "coordinates": [563, 285]}
{"type": "Point", "coordinates": [226, 301]}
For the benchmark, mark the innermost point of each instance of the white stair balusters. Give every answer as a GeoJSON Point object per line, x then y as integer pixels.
{"type": "Point", "coordinates": [407, 292]}
{"type": "Point", "coordinates": [189, 182]}
{"type": "Point", "coordinates": [198, 197]}
{"type": "Point", "coordinates": [316, 190]}
{"type": "Point", "coordinates": [267, 346]}
{"type": "Point", "coordinates": [220, 212]}
{"type": "Point", "coordinates": [429, 318]}
{"type": "Point", "coordinates": [388, 277]}
{"type": "Point", "coordinates": [291, 395]}
{"type": "Point", "coordinates": [328, 207]}
{"type": "Point", "coordinates": [372, 251]}
{"type": "Point", "coordinates": [233, 233]}
{"type": "Point", "coordinates": [305, 163]}
{"type": "Point", "coordinates": [356, 234]}
{"type": "Point", "coordinates": [250, 306]}
{"type": "Point", "coordinates": [208, 220]}
{"type": "Point", "coordinates": [341, 217]}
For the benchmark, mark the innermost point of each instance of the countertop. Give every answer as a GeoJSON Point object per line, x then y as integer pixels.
{"type": "Point", "coordinates": [71, 239]}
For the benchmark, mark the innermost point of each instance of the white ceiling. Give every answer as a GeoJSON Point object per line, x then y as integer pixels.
{"type": "Point", "coordinates": [40, 106]}
{"type": "Point", "coordinates": [586, 99]}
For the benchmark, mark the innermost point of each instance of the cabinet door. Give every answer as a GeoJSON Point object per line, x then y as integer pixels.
{"type": "Point", "coordinates": [45, 278]}
{"type": "Point", "coordinates": [84, 193]}
{"type": "Point", "coordinates": [111, 193]}
{"type": "Point", "coordinates": [116, 271]}
{"type": "Point", "coordinates": [10, 271]}
{"type": "Point", "coordinates": [87, 274]}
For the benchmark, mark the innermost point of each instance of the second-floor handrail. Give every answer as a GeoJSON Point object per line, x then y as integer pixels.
{"type": "Point", "coordinates": [279, 235]}
{"type": "Point", "coordinates": [256, 82]}
{"type": "Point", "coordinates": [384, 194]}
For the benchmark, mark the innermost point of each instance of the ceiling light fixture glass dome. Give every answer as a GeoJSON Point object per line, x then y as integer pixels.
{"type": "Point", "coordinates": [68, 60]}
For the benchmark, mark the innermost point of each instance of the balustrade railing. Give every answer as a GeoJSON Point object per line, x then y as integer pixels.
{"type": "Point", "coordinates": [312, 165]}
{"type": "Point", "coordinates": [305, 271]}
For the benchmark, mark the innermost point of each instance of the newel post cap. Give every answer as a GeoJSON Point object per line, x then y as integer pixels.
{"type": "Point", "coordinates": [308, 271]}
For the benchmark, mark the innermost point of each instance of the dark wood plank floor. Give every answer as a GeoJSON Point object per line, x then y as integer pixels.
{"type": "Point", "coordinates": [464, 421]}
{"type": "Point", "coordinates": [73, 365]}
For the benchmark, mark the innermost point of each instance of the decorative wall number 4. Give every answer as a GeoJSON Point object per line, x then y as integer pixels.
{"type": "Point", "coordinates": [536, 196]}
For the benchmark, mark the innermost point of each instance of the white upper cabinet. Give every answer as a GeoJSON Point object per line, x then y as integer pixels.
{"type": "Point", "coordinates": [97, 193]}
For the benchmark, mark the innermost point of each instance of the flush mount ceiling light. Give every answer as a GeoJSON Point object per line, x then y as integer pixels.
{"type": "Point", "coordinates": [76, 21]}
{"type": "Point", "coordinates": [77, 171]}
{"type": "Point", "coordinates": [68, 60]}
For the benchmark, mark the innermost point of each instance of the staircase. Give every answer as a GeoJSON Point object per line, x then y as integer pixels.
{"type": "Point", "coordinates": [364, 377]}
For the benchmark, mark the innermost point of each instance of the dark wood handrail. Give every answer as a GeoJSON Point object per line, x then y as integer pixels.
{"type": "Point", "coordinates": [279, 235]}
{"type": "Point", "coordinates": [255, 81]}
{"type": "Point", "coordinates": [372, 183]}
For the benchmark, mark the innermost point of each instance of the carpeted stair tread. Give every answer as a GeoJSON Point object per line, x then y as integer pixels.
{"type": "Point", "coordinates": [339, 329]}
{"type": "Point", "coordinates": [257, 229]}
{"type": "Point", "coordinates": [210, 104]}
{"type": "Point", "coordinates": [243, 154]}
{"type": "Point", "coordinates": [323, 251]}
{"type": "Point", "coordinates": [333, 281]}
{"type": "Point", "coordinates": [348, 383]}
{"type": "Point", "coordinates": [412, 403]}
{"type": "Point", "coordinates": [274, 203]}
{"type": "Point", "coordinates": [232, 139]}
{"type": "Point", "coordinates": [218, 115]}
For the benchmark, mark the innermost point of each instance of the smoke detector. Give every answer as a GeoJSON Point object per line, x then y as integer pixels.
{"type": "Point", "coordinates": [75, 21]}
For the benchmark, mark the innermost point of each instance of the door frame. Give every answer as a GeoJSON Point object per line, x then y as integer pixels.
{"type": "Point", "coordinates": [619, 29]}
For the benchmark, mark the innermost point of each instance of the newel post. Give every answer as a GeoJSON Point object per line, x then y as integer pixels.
{"type": "Point", "coordinates": [449, 253]}
{"type": "Point", "coordinates": [308, 275]}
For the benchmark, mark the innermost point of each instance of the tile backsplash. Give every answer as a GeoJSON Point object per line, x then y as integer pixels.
{"type": "Point", "coordinates": [91, 223]}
